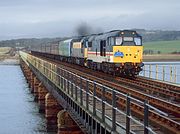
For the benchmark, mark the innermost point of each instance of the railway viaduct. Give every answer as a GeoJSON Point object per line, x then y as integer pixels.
{"type": "Point", "coordinates": [76, 104]}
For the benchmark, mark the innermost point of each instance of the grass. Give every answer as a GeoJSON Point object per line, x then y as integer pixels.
{"type": "Point", "coordinates": [164, 47]}
{"type": "Point", "coordinates": [4, 50]}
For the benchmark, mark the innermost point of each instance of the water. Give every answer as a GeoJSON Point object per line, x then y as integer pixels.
{"type": "Point", "coordinates": [167, 71]}
{"type": "Point", "coordinates": [18, 112]}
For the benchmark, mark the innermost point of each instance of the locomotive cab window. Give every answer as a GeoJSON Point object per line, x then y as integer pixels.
{"type": "Point", "coordinates": [138, 41]}
{"type": "Point", "coordinates": [128, 41]}
{"type": "Point", "coordinates": [112, 42]}
{"type": "Point", "coordinates": [118, 40]}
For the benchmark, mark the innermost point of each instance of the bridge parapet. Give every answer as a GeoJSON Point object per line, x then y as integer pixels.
{"type": "Point", "coordinates": [167, 72]}
{"type": "Point", "coordinates": [95, 107]}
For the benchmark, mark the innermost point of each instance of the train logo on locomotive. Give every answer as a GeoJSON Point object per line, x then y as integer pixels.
{"type": "Point", "coordinates": [118, 54]}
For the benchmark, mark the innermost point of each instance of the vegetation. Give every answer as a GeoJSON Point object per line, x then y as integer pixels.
{"type": "Point", "coordinates": [158, 35]}
{"type": "Point", "coordinates": [31, 42]}
{"type": "Point", "coordinates": [4, 50]}
{"type": "Point", "coordinates": [162, 47]}
{"type": "Point", "coordinates": [155, 41]}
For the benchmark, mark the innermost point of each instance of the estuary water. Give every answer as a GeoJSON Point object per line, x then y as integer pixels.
{"type": "Point", "coordinates": [18, 112]}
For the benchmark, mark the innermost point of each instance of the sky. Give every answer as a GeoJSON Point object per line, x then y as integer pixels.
{"type": "Point", "coordinates": [59, 18]}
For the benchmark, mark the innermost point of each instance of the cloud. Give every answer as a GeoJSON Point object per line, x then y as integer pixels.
{"type": "Point", "coordinates": [52, 18]}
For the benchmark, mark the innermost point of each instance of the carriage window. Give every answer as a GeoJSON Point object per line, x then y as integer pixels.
{"type": "Point", "coordinates": [118, 40]}
{"type": "Point", "coordinates": [137, 41]}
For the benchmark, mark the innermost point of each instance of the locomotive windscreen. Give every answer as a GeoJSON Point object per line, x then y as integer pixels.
{"type": "Point", "coordinates": [128, 41]}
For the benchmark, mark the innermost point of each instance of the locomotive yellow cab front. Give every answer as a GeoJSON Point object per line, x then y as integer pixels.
{"type": "Point", "coordinates": [123, 54]}
{"type": "Point", "coordinates": [127, 53]}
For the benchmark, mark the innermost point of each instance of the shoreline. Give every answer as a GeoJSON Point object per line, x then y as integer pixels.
{"type": "Point", "coordinates": [10, 61]}
{"type": "Point", "coordinates": [162, 58]}
{"type": "Point", "coordinates": [9, 56]}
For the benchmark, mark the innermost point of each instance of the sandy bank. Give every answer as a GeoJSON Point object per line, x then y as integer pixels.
{"type": "Point", "coordinates": [161, 58]}
{"type": "Point", "coordinates": [10, 62]}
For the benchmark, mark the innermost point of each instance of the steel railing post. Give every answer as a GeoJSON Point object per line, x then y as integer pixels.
{"type": "Point", "coordinates": [156, 71]}
{"type": "Point", "coordinates": [128, 109]}
{"type": "Point", "coordinates": [113, 110]}
{"type": "Point", "coordinates": [103, 104]}
{"type": "Point", "coordinates": [63, 80]}
{"type": "Point", "coordinates": [71, 85]}
{"type": "Point", "coordinates": [75, 92]}
{"type": "Point", "coordinates": [174, 74]}
{"type": "Point", "coordinates": [68, 84]}
{"type": "Point", "coordinates": [146, 120]}
{"type": "Point", "coordinates": [81, 98]}
{"type": "Point", "coordinates": [58, 79]}
{"type": "Point", "coordinates": [171, 74]}
{"type": "Point", "coordinates": [150, 71]}
{"type": "Point", "coordinates": [163, 73]}
{"type": "Point", "coordinates": [87, 95]}
{"type": "Point", "coordinates": [94, 99]}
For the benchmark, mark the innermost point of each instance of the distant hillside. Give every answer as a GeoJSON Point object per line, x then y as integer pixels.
{"type": "Point", "coordinates": [148, 36]}
{"type": "Point", "coordinates": [162, 47]}
{"type": "Point", "coordinates": [27, 42]}
{"type": "Point", "coordinates": [157, 35]}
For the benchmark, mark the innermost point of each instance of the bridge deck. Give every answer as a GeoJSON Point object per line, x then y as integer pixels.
{"type": "Point", "coordinates": [88, 101]}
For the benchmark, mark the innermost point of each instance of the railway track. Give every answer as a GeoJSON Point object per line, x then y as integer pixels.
{"type": "Point", "coordinates": [160, 84]}
{"type": "Point", "coordinates": [156, 118]}
{"type": "Point", "coordinates": [145, 86]}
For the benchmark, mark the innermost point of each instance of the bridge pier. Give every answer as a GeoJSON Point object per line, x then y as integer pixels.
{"type": "Point", "coordinates": [36, 86]}
{"type": "Point", "coordinates": [42, 91]}
{"type": "Point", "coordinates": [51, 110]}
{"type": "Point", "coordinates": [27, 73]}
{"type": "Point", "coordinates": [28, 76]}
{"type": "Point", "coordinates": [32, 82]}
{"type": "Point", "coordinates": [66, 125]}
{"type": "Point", "coordinates": [57, 119]}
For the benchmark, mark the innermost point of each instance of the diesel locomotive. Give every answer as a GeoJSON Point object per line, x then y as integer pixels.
{"type": "Point", "coordinates": [117, 52]}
